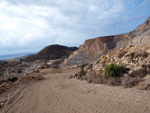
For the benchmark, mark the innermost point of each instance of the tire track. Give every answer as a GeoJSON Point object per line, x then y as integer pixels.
{"type": "Point", "coordinates": [58, 94]}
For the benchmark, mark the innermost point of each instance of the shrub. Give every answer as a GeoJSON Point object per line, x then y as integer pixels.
{"type": "Point", "coordinates": [13, 79]}
{"type": "Point", "coordinates": [42, 67]}
{"type": "Point", "coordinates": [98, 62]}
{"type": "Point", "coordinates": [139, 73]}
{"type": "Point", "coordinates": [145, 54]}
{"type": "Point", "coordinates": [19, 71]}
{"type": "Point", "coordinates": [112, 70]}
{"type": "Point", "coordinates": [80, 74]}
{"type": "Point", "coordinates": [121, 54]}
{"type": "Point", "coordinates": [132, 55]}
{"type": "Point", "coordinates": [114, 82]}
{"type": "Point", "coordinates": [83, 65]}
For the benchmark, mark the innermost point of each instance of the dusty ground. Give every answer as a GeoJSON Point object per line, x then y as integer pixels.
{"type": "Point", "coordinates": [59, 94]}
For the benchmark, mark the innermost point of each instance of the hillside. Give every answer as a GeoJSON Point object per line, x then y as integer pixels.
{"type": "Point", "coordinates": [134, 61]}
{"type": "Point", "coordinates": [92, 49]}
{"type": "Point", "coordinates": [51, 52]}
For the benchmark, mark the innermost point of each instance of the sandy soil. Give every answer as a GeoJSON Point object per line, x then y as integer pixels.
{"type": "Point", "coordinates": [59, 94]}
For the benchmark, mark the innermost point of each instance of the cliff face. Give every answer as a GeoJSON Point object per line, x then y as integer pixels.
{"type": "Point", "coordinates": [142, 34]}
{"type": "Point", "coordinates": [92, 49]}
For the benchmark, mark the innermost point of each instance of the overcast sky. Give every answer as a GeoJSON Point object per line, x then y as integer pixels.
{"type": "Point", "coordinates": [30, 25]}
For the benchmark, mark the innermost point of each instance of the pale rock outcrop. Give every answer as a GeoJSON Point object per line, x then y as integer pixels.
{"type": "Point", "coordinates": [92, 49]}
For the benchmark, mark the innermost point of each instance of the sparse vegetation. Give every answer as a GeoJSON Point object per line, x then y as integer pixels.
{"type": "Point", "coordinates": [132, 55]}
{"type": "Point", "coordinates": [98, 62]}
{"type": "Point", "coordinates": [141, 72]}
{"type": "Point", "coordinates": [114, 81]}
{"type": "Point", "coordinates": [113, 70]}
{"type": "Point", "coordinates": [19, 71]}
{"type": "Point", "coordinates": [121, 54]}
{"type": "Point", "coordinates": [115, 75]}
{"type": "Point", "coordinates": [145, 54]}
{"type": "Point", "coordinates": [13, 79]}
{"type": "Point", "coordinates": [42, 67]}
{"type": "Point", "coordinates": [130, 82]}
{"type": "Point", "coordinates": [81, 73]}
{"type": "Point", "coordinates": [83, 65]}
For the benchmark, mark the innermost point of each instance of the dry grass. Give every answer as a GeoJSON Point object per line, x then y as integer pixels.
{"type": "Point", "coordinates": [99, 78]}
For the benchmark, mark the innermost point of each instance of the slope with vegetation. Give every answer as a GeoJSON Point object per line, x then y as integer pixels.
{"type": "Point", "coordinates": [129, 66]}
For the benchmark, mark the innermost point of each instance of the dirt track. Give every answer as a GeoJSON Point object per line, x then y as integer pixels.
{"type": "Point", "coordinates": [58, 94]}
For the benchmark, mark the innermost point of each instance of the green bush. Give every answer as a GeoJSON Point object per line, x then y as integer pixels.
{"type": "Point", "coordinates": [82, 66]}
{"type": "Point", "coordinates": [42, 67]}
{"type": "Point", "coordinates": [112, 70]}
{"type": "Point", "coordinates": [98, 62]}
{"type": "Point", "coordinates": [13, 79]}
{"type": "Point", "coordinates": [19, 71]}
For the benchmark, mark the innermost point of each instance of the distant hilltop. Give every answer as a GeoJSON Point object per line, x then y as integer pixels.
{"type": "Point", "coordinates": [51, 52]}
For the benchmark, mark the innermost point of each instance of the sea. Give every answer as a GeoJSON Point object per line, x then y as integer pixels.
{"type": "Point", "coordinates": [6, 57]}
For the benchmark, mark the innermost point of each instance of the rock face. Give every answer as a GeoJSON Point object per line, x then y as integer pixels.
{"type": "Point", "coordinates": [92, 49]}
{"type": "Point", "coordinates": [142, 34]}
{"type": "Point", "coordinates": [51, 52]}
{"type": "Point", "coordinates": [134, 61]}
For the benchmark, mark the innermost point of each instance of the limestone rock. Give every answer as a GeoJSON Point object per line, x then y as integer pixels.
{"type": "Point", "coordinates": [92, 49]}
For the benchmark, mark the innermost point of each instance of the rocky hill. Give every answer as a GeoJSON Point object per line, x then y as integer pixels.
{"type": "Point", "coordinates": [51, 52]}
{"type": "Point", "coordinates": [92, 49]}
{"type": "Point", "coordinates": [133, 68]}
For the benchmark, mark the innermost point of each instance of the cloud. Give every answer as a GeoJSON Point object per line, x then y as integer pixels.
{"type": "Point", "coordinates": [28, 25]}
{"type": "Point", "coordinates": [92, 8]}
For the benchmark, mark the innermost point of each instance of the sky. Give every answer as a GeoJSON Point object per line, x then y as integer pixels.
{"type": "Point", "coordinates": [27, 26]}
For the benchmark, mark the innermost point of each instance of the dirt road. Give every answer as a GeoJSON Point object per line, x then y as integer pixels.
{"type": "Point", "coordinates": [58, 94]}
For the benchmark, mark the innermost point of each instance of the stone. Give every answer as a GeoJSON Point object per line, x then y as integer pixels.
{"type": "Point", "coordinates": [131, 71]}
{"type": "Point", "coordinates": [147, 77]}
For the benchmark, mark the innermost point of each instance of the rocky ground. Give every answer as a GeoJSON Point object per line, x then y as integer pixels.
{"type": "Point", "coordinates": [19, 68]}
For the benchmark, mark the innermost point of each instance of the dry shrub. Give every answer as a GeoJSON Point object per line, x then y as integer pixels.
{"type": "Point", "coordinates": [145, 54]}
{"type": "Point", "coordinates": [50, 70]}
{"type": "Point", "coordinates": [101, 78]}
{"type": "Point", "coordinates": [139, 73]}
{"type": "Point", "coordinates": [121, 54]}
{"type": "Point", "coordinates": [80, 74]}
{"type": "Point", "coordinates": [132, 55]}
{"type": "Point", "coordinates": [29, 79]}
{"type": "Point", "coordinates": [97, 78]}
{"type": "Point", "coordinates": [13, 79]}
{"type": "Point", "coordinates": [130, 82]}
{"type": "Point", "coordinates": [114, 81]}
{"type": "Point", "coordinates": [83, 65]}
{"type": "Point", "coordinates": [90, 76]}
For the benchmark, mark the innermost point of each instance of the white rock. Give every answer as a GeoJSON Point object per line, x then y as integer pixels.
{"type": "Point", "coordinates": [147, 77]}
